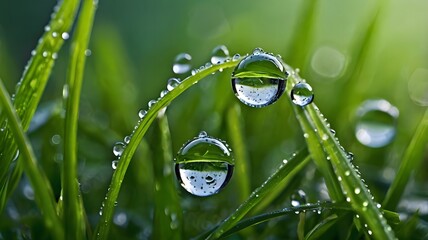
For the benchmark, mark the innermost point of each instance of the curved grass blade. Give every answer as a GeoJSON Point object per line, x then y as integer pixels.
{"type": "Point", "coordinates": [31, 86]}
{"type": "Point", "coordinates": [322, 227]}
{"type": "Point", "coordinates": [43, 192]}
{"type": "Point", "coordinates": [73, 213]}
{"type": "Point", "coordinates": [270, 215]}
{"type": "Point", "coordinates": [354, 189]}
{"type": "Point", "coordinates": [234, 123]}
{"type": "Point", "coordinates": [167, 218]}
{"type": "Point", "coordinates": [411, 159]}
{"type": "Point", "coordinates": [136, 137]}
{"type": "Point", "coordinates": [285, 171]}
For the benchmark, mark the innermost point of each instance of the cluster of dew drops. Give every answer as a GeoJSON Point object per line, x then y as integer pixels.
{"type": "Point", "coordinates": [254, 92]}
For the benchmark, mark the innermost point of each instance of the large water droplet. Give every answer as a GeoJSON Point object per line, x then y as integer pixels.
{"type": "Point", "coordinates": [259, 79]}
{"type": "Point", "coordinates": [219, 54]}
{"type": "Point", "coordinates": [204, 165]}
{"type": "Point", "coordinates": [302, 94]}
{"type": "Point", "coordinates": [376, 123]}
{"type": "Point", "coordinates": [298, 198]}
{"type": "Point", "coordinates": [181, 63]}
{"type": "Point", "coordinates": [118, 149]}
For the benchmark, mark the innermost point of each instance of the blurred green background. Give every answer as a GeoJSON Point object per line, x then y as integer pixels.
{"type": "Point", "coordinates": [349, 51]}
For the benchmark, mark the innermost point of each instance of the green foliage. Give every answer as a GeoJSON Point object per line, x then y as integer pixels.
{"type": "Point", "coordinates": [63, 184]}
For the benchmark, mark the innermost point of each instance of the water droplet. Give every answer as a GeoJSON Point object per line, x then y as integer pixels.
{"type": "Point", "coordinates": [298, 198]}
{"type": "Point", "coordinates": [33, 52]}
{"type": "Point", "coordinates": [202, 134]}
{"type": "Point", "coordinates": [56, 139]}
{"type": "Point", "coordinates": [118, 149]}
{"type": "Point", "coordinates": [163, 93]}
{"type": "Point", "coordinates": [204, 165]}
{"type": "Point", "coordinates": [181, 63]}
{"type": "Point", "coordinates": [65, 91]}
{"type": "Point", "coordinates": [54, 55]}
{"type": "Point", "coordinates": [357, 190]}
{"type": "Point", "coordinates": [219, 54]}
{"type": "Point", "coordinates": [54, 34]}
{"type": "Point", "coordinates": [285, 161]}
{"type": "Point", "coordinates": [259, 79]}
{"type": "Point", "coordinates": [324, 137]}
{"type": "Point", "coordinates": [365, 204]}
{"type": "Point", "coordinates": [302, 94]}
{"type": "Point", "coordinates": [114, 164]}
{"type": "Point", "coordinates": [151, 103]}
{"type": "Point", "coordinates": [142, 113]}
{"type": "Point", "coordinates": [88, 52]}
{"type": "Point", "coordinates": [348, 199]}
{"type": "Point", "coordinates": [339, 178]}
{"type": "Point", "coordinates": [376, 123]}
{"type": "Point", "coordinates": [45, 54]}
{"type": "Point", "coordinates": [236, 57]}
{"type": "Point", "coordinates": [370, 232]}
{"type": "Point", "coordinates": [65, 35]}
{"type": "Point", "coordinates": [47, 28]}
{"type": "Point", "coordinates": [378, 205]}
{"type": "Point", "coordinates": [305, 135]}
{"type": "Point", "coordinates": [172, 83]}
{"type": "Point", "coordinates": [127, 139]}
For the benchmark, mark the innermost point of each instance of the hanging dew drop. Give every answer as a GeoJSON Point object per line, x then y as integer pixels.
{"type": "Point", "coordinates": [204, 165]}
{"type": "Point", "coordinates": [298, 198]}
{"type": "Point", "coordinates": [219, 54]}
{"type": "Point", "coordinates": [259, 79]}
{"type": "Point", "coordinates": [302, 94]}
{"type": "Point", "coordinates": [65, 35]}
{"type": "Point", "coordinates": [127, 139]}
{"type": "Point", "coordinates": [114, 164]}
{"type": "Point", "coordinates": [142, 113]}
{"type": "Point", "coordinates": [172, 83]}
{"type": "Point", "coordinates": [151, 103]}
{"type": "Point", "coordinates": [181, 63]}
{"type": "Point", "coordinates": [376, 123]}
{"type": "Point", "coordinates": [118, 149]}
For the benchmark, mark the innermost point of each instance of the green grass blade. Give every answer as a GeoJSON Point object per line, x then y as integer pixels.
{"type": "Point", "coordinates": [245, 223]}
{"type": "Point", "coordinates": [11, 182]}
{"type": "Point", "coordinates": [73, 213]}
{"type": "Point", "coordinates": [354, 189]}
{"type": "Point", "coordinates": [167, 215]}
{"type": "Point", "coordinates": [411, 159]}
{"type": "Point", "coordinates": [31, 86]}
{"type": "Point", "coordinates": [234, 123]}
{"type": "Point", "coordinates": [43, 192]}
{"type": "Point", "coordinates": [138, 134]}
{"type": "Point", "coordinates": [322, 227]}
{"type": "Point", "coordinates": [285, 171]}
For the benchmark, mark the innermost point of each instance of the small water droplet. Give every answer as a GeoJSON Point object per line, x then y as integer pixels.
{"type": "Point", "coordinates": [88, 52]}
{"type": "Point", "coordinates": [378, 205]}
{"type": "Point", "coordinates": [324, 137]}
{"type": "Point", "coordinates": [65, 91]}
{"type": "Point", "coordinates": [236, 57]}
{"type": "Point", "coordinates": [118, 149]}
{"type": "Point", "coordinates": [65, 35]}
{"type": "Point", "coordinates": [298, 198]}
{"type": "Point", "coordinates": [47, 28]}
{"type": "Point", "coordinates": [45, 54]}
{"type": "Point", "coordinates": [306, 135]}
{"type": "Point", "coordinates": [259, 79]}
{"type": "Point", "coordinates": [357, 190]}
{"type": "Point", "coordinates": [348, 199]}
{"type": "Point", "coordinates": [127, 139]}
{"type": "Point", "coordinates": [142, 113]}
{"type": "Point", "coordinates": [370, 232]}
{"type": "Point", "coordinates": [54, 34]}
{"type": "Point", "coordinates": [181, 63]}
{"type": "Point", "coordinates": [365, 204]}
{"type": "Point", "coordinates": [302, 94]}
{"type": "Point", "coordinates": [151, 103]}
{"type": "Point", "coordinates": [347, 173]}
{"type": "Point", "coordinates": [339, 178]}
{"type": "Point", "coordinates": [376, 123]}
{"type": "Point", "coordinates": [219, 54]}
{"type": "Point", "coordinates": [33, 52]}
{"type": "Point", "coordinates": [202, 134]}
{"type": "Point", "coordinates": [172, 83]}
{"type": "Point", "coordinates": [54, 55]}
{"type": "Point", "coordinates": [204, 165]}
{"type": "Point", "coordinates": [285, 161]}
{"type": "Point", "coordinates": [258, 51]}
{"type": "Point", "coordinates": [114, 164]}
{"type": "Point", "coordinates": [163, 93]}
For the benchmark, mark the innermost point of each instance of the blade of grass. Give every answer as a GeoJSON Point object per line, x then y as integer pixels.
{"type": "Point", "coordinates": [42, 189]}
{"type": "Point", "coordinates": [285, 171]}
{"type": "Point", "coordinates": [234, 123]}
{"type": "Point", "coordinates": [31, 86]}
{"type": "Point", "coordinates": [411, 159]}
{"type": "Point", "coordinates": [355, 190]}
{"type": "Point", "coordinates": [245, 223]}
{"type": "Point", "coordinates": [136, 137]}
{"type": "Point", "coordinates": [167, 216]}
{"type": "Point", "coordinates": [322, 227]}
{"type": "Point", "coordinates": [73, 213]}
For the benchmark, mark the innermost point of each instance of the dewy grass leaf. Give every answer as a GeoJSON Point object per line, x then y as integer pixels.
{"type": "Point", "coordinates": [234, 120]}
{"type": "Point", "coordinates": [42, 189]}
{"type": "Point", "coordinates": [354, 189]}
{"type": "Point", "coordinates": [167, 213]}
{"type": "Point", "coordinates": [285, 171]}
{"type": "Point", "coordinates": [73, 213]}
{"type": "Point", "coordinates": [411, 159]}
{"type": "Point", "coordinates": [31, 86]}
{"type": "Point", "coordinates": [107, 213]}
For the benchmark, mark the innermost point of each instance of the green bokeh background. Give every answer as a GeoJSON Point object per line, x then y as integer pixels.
{"type": "Point", "coordinates": [133, 46]}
